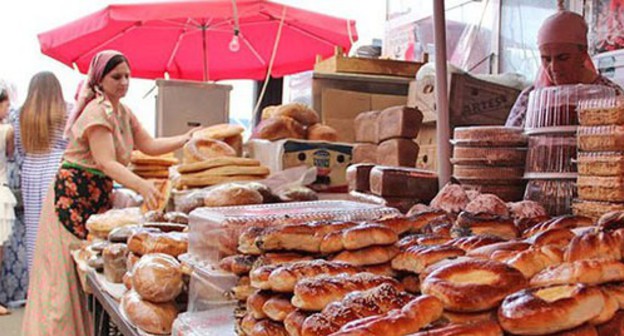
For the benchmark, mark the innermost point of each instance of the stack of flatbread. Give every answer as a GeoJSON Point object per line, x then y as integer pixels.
{"type": "Point", "coordinates": [219, 170]}
{"type": "Point", "coordinates": [153, 167]}
{"type": "Point", "coordinates": [214, 141]}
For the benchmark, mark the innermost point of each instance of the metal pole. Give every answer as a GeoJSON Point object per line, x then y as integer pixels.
{"type": "Point", "coordinates": [443, 129]}
{"type": "Point", "coordinates": [204, 52]}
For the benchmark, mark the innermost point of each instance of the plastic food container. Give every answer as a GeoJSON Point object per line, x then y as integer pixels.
{"type": "Point", "coordinates": [209, 287]}
{"type": "Point", "coordinates": [489, 136]}
{"type": "Point", "coordinates": [214, 232]}
{"type": "Point", "coordinates": [557, 106]}
{"type": "Point", "coordinates": [553, 192]}
{"type": "Point", "coordinates": [552, 153]}
{"type": "Point", "coordinates": [217, 322]}
{"type": "Point", "coordinates": [601, 111]}
{"type": "Point", "coordinates": [601, 163]}
{"type": "Point", "coordinates": [601, 138]}
{"type": "Point", "coordinates": [489, 156]}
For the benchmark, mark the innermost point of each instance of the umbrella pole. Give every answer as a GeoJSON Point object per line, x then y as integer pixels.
{"type": "Point", "coordinates": [203, 28]}
{"type": "Point", "coordinates": [443, 129]}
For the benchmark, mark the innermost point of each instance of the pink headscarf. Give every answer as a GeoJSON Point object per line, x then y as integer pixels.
{"type": "Point", "coordinates": [562, 27]}
{"type": "Point", "coordinates": [90, 90]}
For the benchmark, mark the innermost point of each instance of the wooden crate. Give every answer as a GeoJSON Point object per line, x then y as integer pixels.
{"type": "Point", "coordinates": [341, 64]}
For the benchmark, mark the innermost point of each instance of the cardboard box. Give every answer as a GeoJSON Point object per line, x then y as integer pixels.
{"type": "Point", "coordinates": [331, 159]}
{"type": "Point", "coordinates": [340, 107]}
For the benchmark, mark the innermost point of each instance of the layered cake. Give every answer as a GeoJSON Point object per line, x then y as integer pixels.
{"type": "Point", "coordinates": [495, 156]}
{"type": "Point", "coordinates": [598, 112]}
{"type": "Point", "coordinates": [601, 138]}
{"type": "Point", "coordinates": [601, 164]}
{"type": "Point", "coordinates": [490, 136]}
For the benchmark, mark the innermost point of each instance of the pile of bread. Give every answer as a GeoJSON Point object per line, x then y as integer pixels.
{"type": "Point", "coordinates": [468, 264]}
{"type": "Point", "coordinates": [142, 256]}
{"type": "Point", "coordinates": [292, 121]}
{"type": "Point", "coordinates": [151, 167]}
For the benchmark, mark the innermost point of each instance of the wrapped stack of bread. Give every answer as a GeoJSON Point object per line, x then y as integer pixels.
{"type": "Point", "coordinates": [601, 158]}
{"type": "Point", "coordinates": [387, 137]}
{"type": "Point", "coordinates": [219, 169]}
{"type": "Point", "coordinates": [490, 159]}
{"type": "Point", "coordinates": [214, 141]}
{"type": "Point", "coordinates": [468, 264]}
{"type": "Point", "coordinates": [292, 121]}
{"type": "Point", "coordinates": [151, 167]}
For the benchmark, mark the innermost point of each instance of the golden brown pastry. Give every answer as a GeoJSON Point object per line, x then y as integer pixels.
{"type": "Point", "coordinates": [588, 271]}
{"type": "Point", "coordinates": [473, 242]}
{"type": "Point", "coordinates": [565, 221]}
{"type": "Point", "coordinates": [411, 283]}
{"type": "Point", "coordinates": [219, 132]}
{"type": "Point", "coordinates": [279, 128]}
{"type": "Point", "coordinates": [157, 278]}
{"type": "Point", "coordinates": [285, 277]}
{"type": "Point", "coordinates": [139, 158]}
{"type": "Point", "coordinates": [608, 312]}
{"type": "Point", "coordinates": [172, 243]}
{"type": "Point", "coordinates": [300, 112]}
{"type": "Point", "coordinates": [243, 289]}
{"type": "Point", "coordinates": [611, 221]}
{"type": "Point", "coordinates": [413, 223]}
{"type": "Point", "coordinates": [358, 237]}
{"type": "Point", "coordinates": [469, 318]}
{"type": "Point", "coordinates": [298, 194]}
{"type": "Point", "coordinates": [247, 323]}
{"type": "Point", "coordinates": [524, 224]}
{"type": "Point", "coordinates": [452, 198]}
{"type": "Point", "coordinates": [198, 149]}
{"type": "Point", "coordinates": [260, 276]}
{"type": "Point", "coordinates": [473, 285]}
{"type": "Point", "coordinates": [238, 264]}
{"type": "Point", "coordinates": [354, 306]}
{"type": "Point", "coordinates": [488, 203]}
{"type": "Point", "coordinates": [319, 132]}
{"type": "Point", "coordinates": [421, 240]}
{"type": "Point", "coordinates": [255, 304]}
{"type": "Point", "coordinates": [114, 262]}
{"type": "Point", "coordinates": [313, 294]}
{"type": "Point", "coordinates": [164, 188]}
{"type": "Point", "coordinates": [409, 319]}
{"type": "Point", "coordinates": [560, 237]}
{"type": "Point", "coordinates": [484, 223]}
{"type": "Point", "coordinates": [592, 245]}
{"type": "Point", "coordinates": [372, 255]}
{"type": "Point", "coordinates": [232, 195]}
{"type": "Point", "coordinates": [216, 162]}
{"type": "Point", "coordinates": [536, 259]}
{"type": "Point", "coordinates": [539, 311]}
{"type": "Point", "coordinates": [482, 328]}
{"type": "Point", "coordinates": [615, 327]}
{"type": "Point", "coordinates": [278, 307]}
{"type": "Point", "coordinates": [154, 318]}
{"type": "Point", "coordinates": [294, 322]}
{"type": "Point", "coordinates": [247, 240]}
{"type": "Point", "coordinates": [499, 250]}
{"type": "Point", "coordinates": [268, 328]}
{"type": "Point", "coordinates": [299, 237]}
{"type": "Point", "coordinates": [279, 258]}
{"type": "Point", "coordinates": [416, 258]}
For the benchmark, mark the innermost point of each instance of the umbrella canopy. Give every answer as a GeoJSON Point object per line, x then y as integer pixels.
{"type": "Point", "coordinates": [190, 39]}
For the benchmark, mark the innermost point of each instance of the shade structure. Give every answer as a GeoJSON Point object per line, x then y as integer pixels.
{"type": "Point", "coordinates": [190, 39]}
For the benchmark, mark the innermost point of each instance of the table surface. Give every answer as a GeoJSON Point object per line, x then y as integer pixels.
{"type": "Point", "coordinates": [111, 306]}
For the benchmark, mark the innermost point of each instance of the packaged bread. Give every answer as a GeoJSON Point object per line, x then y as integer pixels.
{"type": "Point", "coordinates": [298, 194]}
{"type": "Point", "coordinates": [601, 138]}
{"type": "Point", "coordinates": [601, 112]}
{"type": "Point", "coordinates": [199, 149]}
{"type": "Point", "coordinates": [397, 152]}
{"type": "Point", "coordinates": [399, 122]}
{"type": "Point", "coordinates": [358, 176]}
{"type": "Point", "coordinates": [302, 113]}
{"type": "Point", "coordinates": [114, 260]}
{"type": "Point", "coordinates": [320, 132]}
{"type": "Point", "coordinates": [157, 278]}
{"type": "Point", "coordinates": [601, 188]}
{"type": "Point", "coordinates": [279, 128]}
{"type": "Point", "coordinates": [100, 225]}
{"type": "Point", "coordinates": [232, 195]}
{"type": "Point", "coordinates": [154, 318]}
{"type": "Point", "coordinates": [366, 127]}
{"type": "Point", "coordinates": [601, 164]}
{"type": "Point", "coordinates": [171, 243]}
{"type": "Point", "coordinates": [164, 187]}
{"type": "Point", "coordinates": [364, 153]}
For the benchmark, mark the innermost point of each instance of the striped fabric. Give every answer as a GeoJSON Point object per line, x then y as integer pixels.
{"type": "Point", "coordinates": [37, 173]}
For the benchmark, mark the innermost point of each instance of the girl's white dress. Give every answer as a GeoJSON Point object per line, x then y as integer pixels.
{"type": "Point", "coordinates": [7, 199]}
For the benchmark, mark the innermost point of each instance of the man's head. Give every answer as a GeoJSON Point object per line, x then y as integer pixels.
{"type": "Point", "coordinates": [562, 41]}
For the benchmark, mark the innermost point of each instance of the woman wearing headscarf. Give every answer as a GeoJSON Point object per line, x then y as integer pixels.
{"type": "Point", "coordinates": [562, 42]}
{"type": "Point", "coordinates": [102, 132]}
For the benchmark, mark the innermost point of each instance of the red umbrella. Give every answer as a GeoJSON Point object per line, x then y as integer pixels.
{"type": "Point", "coordinates": [191, 39]}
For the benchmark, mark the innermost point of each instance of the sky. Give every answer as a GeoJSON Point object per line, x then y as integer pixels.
{"type": "Point", "coordinates": [22, 20]}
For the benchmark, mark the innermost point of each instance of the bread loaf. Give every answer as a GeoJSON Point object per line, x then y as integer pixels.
{"type": "Point", "coordinates": [590, 245]}
{"type": "Point", "coordinates": [300, 237]}
{"type": "Point", "coordinates": [319, 132]}
{"type": "Point", "coordinates": [232, 194]}
{"type": "Point", "coordinates": [294, 322]}
{"type": "Point", "coordinates": [278, 307]}
{"type": "Point", "coordinates": [364, 153]}
{"type": "Point", "coordinates": [172, 243]}
{"type": "Point", "coordinates": [154, 318]}
{"type": "Point", "coordinates": [534, 260]}
{"type": "Point", "coordinates": [279, 128]}
{"type": "Point", "coordinates": [239, 264]}
{"type": "Point", "coordinates": [488, 203]}
{"type": "Point", "coordinates": [484, 223]}
{"type": "Point", "coordinates": [157, 278]}
{"type": "Point", "coordinates": [403, 182]}
{"type": "Point", "coordinates": [302, 113]}
{"type": "Point", "coordinates": [366, 127]}
{"type": "Point", "coordinates": [397, 152]}
{"type": "Point", "coordinates": [588, 271]}
{"type": "Point", "coordinates": [358, 176]}
{"type": "Point", "coordinates": [482, 328]}
{"type": "Point", "coordinates": [416, 258]}
{"type": "Point", "coordinates": [285, 277]}
{"type": "Point", "coordinates": [255, 304]}
{"type": "Point", "coordinates": [114, 262]}
{"type": "Point", "coordinates": [452, 198]}
{"type": "Point", "coordinates": [399, 122]}
{"type": "Point", "coordinates": [164, 188]}
{"type": "Point", "coordinates": [358, 237]}
{"type": "Point", "coordinates": [197, 150]}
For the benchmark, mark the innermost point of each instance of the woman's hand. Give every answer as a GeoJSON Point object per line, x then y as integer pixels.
{"type": "Point", "coordinates": [189, 134]}
{"type": "Point", "coordinates": [150, 194]}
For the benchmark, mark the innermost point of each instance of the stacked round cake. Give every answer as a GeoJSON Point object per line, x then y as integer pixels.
{"type": "Point", "coordinates": [600, 159]}
{"type": "Point", "coordinates": [490, 159]}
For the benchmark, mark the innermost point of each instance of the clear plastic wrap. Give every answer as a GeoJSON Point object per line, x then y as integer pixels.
{"type": "Point", "coordinates": [601, 163]}
{"type": "Point", "coordinates": [101, 224]}
{"type": "Point", "coordinates": [216, 322]}
{"type": "Point", "coordinates": [601, 111]}
{"type": "Point", "coordinates": [551, 153]}
{"type": "Point", "coordinates": [157, 278]}
{"type": "Point", "coordinates": [210, 288]}
{"type": "Point", "coordinates": [489, 136]}
{"type": "Point", "coordinates": [557, 106]}
{"type": "Point", "coordinates": [214, 232]}
{"type": "Point", "coordinates": [555, 194]}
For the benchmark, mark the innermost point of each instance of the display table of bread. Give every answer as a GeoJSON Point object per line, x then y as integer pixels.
{"type": "Point", "coordinates": [467, 264]}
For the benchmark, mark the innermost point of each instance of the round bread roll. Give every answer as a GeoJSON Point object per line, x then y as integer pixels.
{"type": "Point", "coordinates": [526, 209]}
{"type": "Point", "coordinates": [157, 278]}
{"type": "Point", "coordinates": [592, 245]}
{"type": "Point", "coordinates": [565, 221]}
{"type": "Point", "coordinates": [268, 196]}
{"type": "Point", "coordinates": [540, 311]}
{"type": "Point", "coordinates": [232, 194]}
{"type": "Point", "coordinates": [302, 113]}
{"type": "Point", "coordinates": [488, 203]}
{"type": "Point", "coordinates": [320, 132]}
{"type": "Point", "coordinates": [484, 223]}
{"type": "Point", "coordinates": [298, 194]}
{"type": "Point", "coordinates": [279, 128]}
{"type": "Point", "coordinates": [473, 285]}
{"type": "Point", "coordinates": [452, 198]}
{"type": "Point", "coordinates": [200, 149]}
{"type": "Point", "coordinates": [154, 318]}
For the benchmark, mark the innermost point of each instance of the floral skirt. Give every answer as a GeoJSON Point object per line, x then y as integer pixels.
{"type": "Point", "coordinates": [78, 194]}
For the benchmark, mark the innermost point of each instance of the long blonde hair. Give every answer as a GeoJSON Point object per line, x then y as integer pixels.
{"type": "Point", "coordinates": [43, 113]}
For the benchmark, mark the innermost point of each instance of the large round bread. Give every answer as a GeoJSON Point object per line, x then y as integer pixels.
{"type": "Point", "coordinates": [157, 278]}
{"type": "Point", "coordinates": [302, 113]}
{"type": "Point", "coordinates": [540, 311]}
{"type": "Point", "coordinates": [154, 318]}
{"type": "Point", "coordinates": [320, 132]}
{"type": "Point", "coordinates": [232, 195]}
{"type": "Point", "coordinates": [200, 149]}
{"type": "Point", "coordinates": [473, 285]}
{"type": "Point", "coordinates": [488, 203]}
{"type": "Point", "coordinates": [279, 128]}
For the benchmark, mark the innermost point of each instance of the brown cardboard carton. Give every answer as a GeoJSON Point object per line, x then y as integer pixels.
{"type": "Point", "coordinates": [339, 109]}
